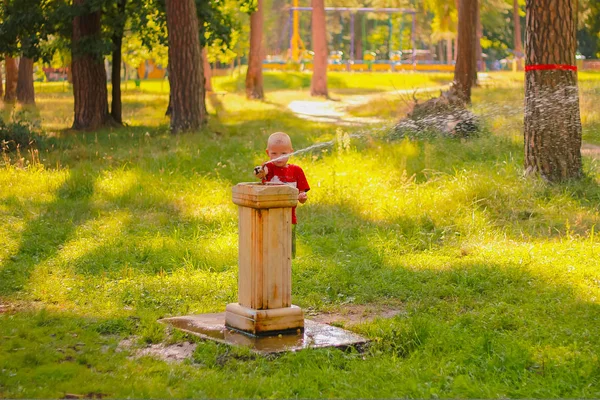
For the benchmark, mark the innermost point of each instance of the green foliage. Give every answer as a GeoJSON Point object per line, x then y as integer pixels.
{"type": "Point", "coordinates": [25, 28]}
{"type": "Point", "coordinates": [588, 35]}
{"type": "Point", "coordinates": [41, 28]}
{"type": "Point", "coordinates": [19, 134]}
{"type": "Point", "coordinates": [498, 28]}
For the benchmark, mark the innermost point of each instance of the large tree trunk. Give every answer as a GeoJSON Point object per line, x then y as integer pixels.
{"type": "Point", "coordinates": [552, 120]}
{"type": "Point", "coordinates": [12, 76]}
{"type": "Point", "coordinates": [254, 76]}
{"type": "Point", "coordinates": [25, 91]}
{"type": "Point", "coordinates": [89, 75]}
{"type": "Point", "coordinates": [116, 105]}
{"type": "Point", "coordinates": [207, 72]}
{"type": "Point", "coordinates": [318, 85]}
{"type": "Point", "coordinates": [518, 45]}
{"type": "Point", "coordinates": [465, 72]}
{"type": "Point", "coordinates": [186, 77]}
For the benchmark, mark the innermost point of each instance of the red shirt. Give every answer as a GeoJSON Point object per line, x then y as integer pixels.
{"type": "Point", "coordinates": [290, 174]}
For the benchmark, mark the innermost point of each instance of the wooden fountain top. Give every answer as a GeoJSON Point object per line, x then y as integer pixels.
{"type": "Point", "coordinates": [258, 195]}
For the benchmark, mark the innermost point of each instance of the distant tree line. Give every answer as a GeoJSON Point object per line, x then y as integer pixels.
{"type": "Point", "coordinates": [91, 30]}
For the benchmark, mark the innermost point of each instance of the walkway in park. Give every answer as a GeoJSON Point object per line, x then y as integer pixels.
{"type": "Point", "coordinates": [590, 150]}
{"type": "Point", "coordinates": [336, 112]}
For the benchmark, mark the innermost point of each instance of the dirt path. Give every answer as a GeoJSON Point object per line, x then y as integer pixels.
{"type": "Point", "coordinates": [336, 112]}
{"type": "Point", "coordinates": [590, 150]}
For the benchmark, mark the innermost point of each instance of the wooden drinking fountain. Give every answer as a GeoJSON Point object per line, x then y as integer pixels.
{"type": "Point", "coordinates": [265, 261]}
{"type": "Point", "coordinates": [264, 318]}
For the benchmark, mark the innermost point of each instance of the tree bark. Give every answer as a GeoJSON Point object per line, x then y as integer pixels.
{"type": "Point", "coordinates": [517, 35]}
{"type": "Point", "coordinates": [465, 72]}
{"type": "Point", "coordinates": [116, 105]}
{"type": "Point", "coordinates": [12, 76]}
{"type": "Point", "coordinates": [454, 47]}
{"type": "Point", "coordinates": [254, 76]}
{"type": "Point", "coordinates": [25, 91]}
{"type": "Point", "coordinates": [1, 85]}
{"type": "Point", "coordinates": [89, 75]}
{"type": "Point", "coordinates": [552, 120]}
{"type": "Point", "coordinates": [358, 43]}
{"type": "Point", "coordinates": [478, 49]}
{"type": "Point", "coordinates": [207, 72]}
{"type": "Point", "coordinates": [449, 56]}
{"type": "Point", "coordinates": [186, 76]}
{"type": "Point", "coordinates": [318, 85]}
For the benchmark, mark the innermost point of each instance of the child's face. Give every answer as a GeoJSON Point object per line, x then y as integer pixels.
{"type": "Point", "coordinates": [277, 150]}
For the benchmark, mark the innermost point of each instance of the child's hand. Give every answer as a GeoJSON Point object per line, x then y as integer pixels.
{"type": "Point", "coordinates": [302, 197]}
{"type": "Point", "coordinates": [261, 171]}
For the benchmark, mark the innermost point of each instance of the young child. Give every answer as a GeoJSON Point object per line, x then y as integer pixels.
{"type": "Point", "coordinates": [278, 170]}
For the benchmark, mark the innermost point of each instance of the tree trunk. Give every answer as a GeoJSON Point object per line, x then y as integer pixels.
{"type": "Point", "coordinates": [318, 85]}
{"type": "Point", "coordinates": [478, 50]}
{"type": "Point", "coordinates": [116, 105]}
{"type": "Point", "coordinates": [254, 76]}
{"type": "Point", "coordinates": [1, 85]}
{"type": "Point", "coordinates": [207, 72]}
{"type": "Point", "coordinates": [89, 75]}
{"type": "Point", "coordinates": [358, 43]}
{"type": "Point", "coordinates": [454, 47]}
{"type": "Point", "coordinates": [186, 76]}
{"type": "Point", "coordinates": [465, 72]}
{"type": "Point", "coordinates": [517, 35]}
{"type": "Point", "coordinates": [25, 91]}
{"type": "Point", "coordinates": [552, 119]}
{"type": "Point", "coordinates": [449, 56]}
{"type": "Point", "coordinates": [12, 76]}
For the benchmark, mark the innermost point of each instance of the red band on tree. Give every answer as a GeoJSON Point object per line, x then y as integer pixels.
{"type": "Point", "coordinates": [544, 67]}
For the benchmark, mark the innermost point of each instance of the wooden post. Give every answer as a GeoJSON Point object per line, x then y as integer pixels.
{"type": "Point", "coordinates": [265, 264]}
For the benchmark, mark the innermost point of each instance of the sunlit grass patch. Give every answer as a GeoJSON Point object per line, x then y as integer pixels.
{"type": "Point", "coordinates": [338, 82]}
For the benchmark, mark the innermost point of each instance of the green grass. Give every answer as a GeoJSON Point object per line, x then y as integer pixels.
{"type": "Point", "coordinates": [339, 81]}
{"type": "Point", "coordinates": [495, 275]}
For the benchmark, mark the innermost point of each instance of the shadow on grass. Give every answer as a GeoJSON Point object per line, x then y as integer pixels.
{"type": "Point", "coordinates": [153, 198]}
{"type": "Point", "coordinates": [483, 312]}
{"type": "Point", "coordinates": [162, 234]}
{"type": "Point", "coordinates": [49, 230]}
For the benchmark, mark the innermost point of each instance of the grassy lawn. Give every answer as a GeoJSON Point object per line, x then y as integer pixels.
{"type": "Point", "coordinates": [494, 276]}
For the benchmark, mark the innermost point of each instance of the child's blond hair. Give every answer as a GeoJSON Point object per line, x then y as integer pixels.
{"type": "Point", "coordinates": [279, 138]}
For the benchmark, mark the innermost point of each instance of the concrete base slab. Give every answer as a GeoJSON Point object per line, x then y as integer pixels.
{"type": "Point", "coordinates": [315, 335]}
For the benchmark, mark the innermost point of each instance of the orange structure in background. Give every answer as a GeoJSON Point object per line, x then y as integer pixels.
{"type": "Point", "coordinates": [150, 70]}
